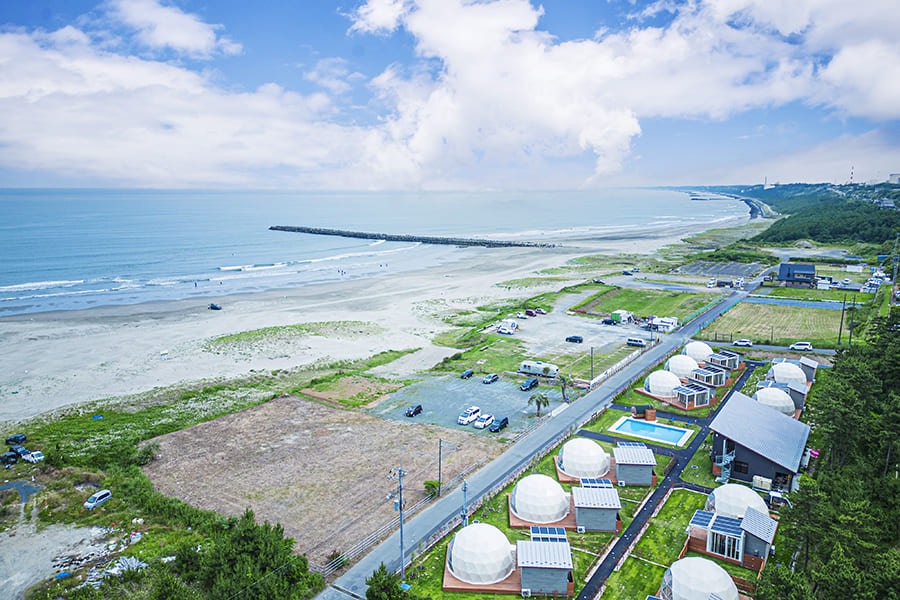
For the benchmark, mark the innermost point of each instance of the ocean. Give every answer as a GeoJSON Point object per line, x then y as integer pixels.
{"type": "Point", "coordinates": [75, 249]}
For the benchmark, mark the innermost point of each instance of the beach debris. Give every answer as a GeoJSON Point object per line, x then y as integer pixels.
{"type": "Point", "coordinates": [166, 559]}
{"type": "Point", "coordinates": [137, 521]}
{"type": "Point", "coordinates": [97, 417]}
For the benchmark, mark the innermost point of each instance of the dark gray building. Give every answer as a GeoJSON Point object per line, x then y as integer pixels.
{"type": "Point", "coordinates": [545, 566]}
{"type": "Point", "coordinates": [797, 274]}
{"type": "Point", "coordinates": [744, 540]}
{"type": "Point", "coordinates": [634, 463]}
{"type": "Point", "coordinates": [751, 439]}
{"type": "Point", "coordinates": [596, 508]}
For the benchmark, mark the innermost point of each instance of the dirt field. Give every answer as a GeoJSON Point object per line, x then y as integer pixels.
{"type": "Point", "coordinates": [319, 471]}
{"type": "Point", "coordinates": [786, 323]}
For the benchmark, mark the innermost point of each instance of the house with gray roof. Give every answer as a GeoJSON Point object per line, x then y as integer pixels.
{"type": "Point", "coordinates": [751, 439]}
{"type": "Point", "coordinates": [597, 507]}
{"type": "Point", "coordinates": [545, 562]}
{"type": "Point", "coordinates": [635, 464]}
{"type": "Point", "coordinates": [744, 541]}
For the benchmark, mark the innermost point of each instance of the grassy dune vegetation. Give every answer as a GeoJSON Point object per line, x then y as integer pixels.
{"type": "Point", "coordinates": [778, 325]}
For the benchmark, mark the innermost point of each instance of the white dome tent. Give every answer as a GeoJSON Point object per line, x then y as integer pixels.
{"type": "Point", "coordinates": [662, 384]}
{"type": "Point", "coordinates": [539, 499]}
{"type": "Point", "coordinates": [696, 578]}
{"type": "Point", "coordinates": [481, 554]}
{"type": "Point", "coordinates": [775, 398]}
{"type": "Point", "coordinates": [581, 457]}
{"type": "Point", "coordinates": [788, 373]}
{"type": "Point", "coordinates": [699, 351]}
{"type": "Point", "coordinates": [681, 365]}
{"type": "Point", "coordinates": [733, 500]}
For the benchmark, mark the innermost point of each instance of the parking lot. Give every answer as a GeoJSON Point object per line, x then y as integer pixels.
{"type": "Point", "coordinates": [724, 270]}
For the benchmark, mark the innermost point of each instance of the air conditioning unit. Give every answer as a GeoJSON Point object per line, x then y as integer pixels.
{"type": "Point", "coordinates": [621, 483]}
{"type": "Point", "coordinates": [579, 529]}
{"type": "Point", "coordinates": [526, 593]}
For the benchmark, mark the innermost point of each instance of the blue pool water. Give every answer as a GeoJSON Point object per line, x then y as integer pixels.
{"type": "Point", "coordinates": [652, 431]}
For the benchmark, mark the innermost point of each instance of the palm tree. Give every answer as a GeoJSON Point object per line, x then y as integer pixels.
{"type": "Point", "coordinates": [563, 382]}
{"type": "Point", "coordinates": [539, 399]}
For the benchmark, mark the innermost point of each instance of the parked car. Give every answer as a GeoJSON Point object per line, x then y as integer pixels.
{"type": "Point", "coordinates": [575, 339]}
{"type": "Point", "coordinates": [530, 384]}
{"type": "Point", "coordinates": [413, 410]}
{"type": "Point", "coordinates": [499, 424]}
{"type": "Point", "coordinates": [490, 378]}
{"type": "Point", "coordinates": [540, 311]}
{"type": "Point", "coordinates": [599, 282]}
{"type": "Point", "coordinates": [466, 374]}
{"type": "Point", "coordinates": [530, 313]}
{"type": "Point", "coordinates": [521, 315]}
{"type": "Point", "coordinates": [34, 457]}
{"type": "Point", "coordinates": [609, 322]}
{"type": "Point", "coordinates": [19, 450]}
{"type": "Point", "coordinates": [9, 458]}
{"type": "Point", "coordinates": [97, 499]}
{"type": "Point", "coordinates": [639, 342]}
{"type": "Point", "coordinates": [484, 421]}
{"type": "Point", "coordinates": [468, 415]}
{"type": "Point", "coordinates": [504, 330]}
{"type": "Point", "coordinates": [801, 346]}
{"type": "Point", "coordinates": [18, 438]}
{"type": "Point", "coordinates": [744, 342]}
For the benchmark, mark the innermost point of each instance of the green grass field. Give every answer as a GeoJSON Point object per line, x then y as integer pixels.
{"type": "Point", "coordinates": [699, 469]}
{"type": "Point", "coordinates": [816, 295]}
{"type": "Point", "coordinates": [636, 580]}
{"type": "Point", "coordinates": [647, 302]}
{"type": "Point", "coordinates": [664, 538]}
{"type": "Point", "coordinates": [777, 325]}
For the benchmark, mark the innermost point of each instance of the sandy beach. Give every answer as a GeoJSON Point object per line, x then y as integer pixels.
{"type": "Point", "coordinates": [54, 360]}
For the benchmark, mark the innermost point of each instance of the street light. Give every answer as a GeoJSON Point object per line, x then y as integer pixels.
{"type": "Point", "coordinates": [397, 474]}
{"type": "Point", "coordinates": [441, 445]}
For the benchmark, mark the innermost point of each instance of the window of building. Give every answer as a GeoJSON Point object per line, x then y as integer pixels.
{"type": "Point", "coordinates": [741, 467]}
{"type": "Point", "coordinates": [724, 545]}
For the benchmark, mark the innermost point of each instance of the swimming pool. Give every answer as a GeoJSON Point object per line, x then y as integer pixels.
{"type": "Point", "coordinates": [649, 430]}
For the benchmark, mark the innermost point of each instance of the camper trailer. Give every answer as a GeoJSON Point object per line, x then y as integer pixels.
{"type": "Point", "coordinates": [536, 367]}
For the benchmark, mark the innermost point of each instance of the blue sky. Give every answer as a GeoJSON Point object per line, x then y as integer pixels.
{"type": "Point", "coordinates": [447, 94]}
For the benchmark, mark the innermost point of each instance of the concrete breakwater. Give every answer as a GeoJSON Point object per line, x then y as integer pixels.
{"type": "Point", "coordinates": [424, 239]}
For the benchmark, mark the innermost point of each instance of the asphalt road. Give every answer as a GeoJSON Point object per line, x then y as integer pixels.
{"type": "Point", "coordinates": [433, 520]}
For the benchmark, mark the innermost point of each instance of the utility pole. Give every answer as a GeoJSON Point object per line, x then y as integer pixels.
{"type": "Point", "coordinates": [465, 507]}
{"type": "Point", "coordinates": [397, 474]}
{"type": "Point", "coordinates": [441, 445]}
{"type": "Point", "coordinates": [841, 329]}
{"type": "Point", "coordinates": [592, 363]}
{"type": "Point", "coordinates": [852, 310]}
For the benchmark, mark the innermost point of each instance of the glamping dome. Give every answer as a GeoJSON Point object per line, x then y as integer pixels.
{"type": "Point", "coordinates": [481, 554]}
{"type": "Point", "coordinates": [699, 351]}
{"type": "Point", "coordinates": [681, 365]}
{"type": "Point", "coordinates": [775, 398]}
{"type": "Point", "coordinates": [539, 499]}
{"type": "Point", "coordinates": [662, 384]}
{"type": "Point", "coordinates": [696, 578]}
{"type": "Point", "coordinates": [788, 373]}
{"type": "Point", "coordinates": [581, 457]}
{"type": "Point", "coordinates": [733, 500]}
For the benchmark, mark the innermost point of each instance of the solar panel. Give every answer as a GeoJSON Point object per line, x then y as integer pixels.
{"type": "Point", "coordinates": [592, 482]}
{"type": "Point", "coordinates": [548, 534]}
{"type": "Point", "coordinates": [702, 518]}
{"type": "Point", "coordinates": [727, 526]}
{"type": "Point", "coordinates": [633, 444]}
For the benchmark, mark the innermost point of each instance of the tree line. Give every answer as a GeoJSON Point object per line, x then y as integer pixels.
{"type": "Point", "coordinates": [847, 223]}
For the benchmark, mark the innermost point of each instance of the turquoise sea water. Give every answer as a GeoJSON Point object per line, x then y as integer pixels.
{"type": "Point", "coordinates": [72, 249]}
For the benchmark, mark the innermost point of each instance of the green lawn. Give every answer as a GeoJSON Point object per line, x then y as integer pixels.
{"type": "Point", "coordinates": [699, 469]}
{"type": "Point", "coordinates": [647, 302]}
{"type": "Point", "coordinates": [730, 568]}
{"type": "Point", "coordinates": [602, 424]}
{"type": "Point", "coordinates": [634, 581]}
{"type": "Point", "coordinates": [816, 295]}
{"type": "Point", "coordinates": [778, 325]}
{"type": "Point", "coordinates": [664, 538]}
{"type": "Point", "coordinates": [498, 354]}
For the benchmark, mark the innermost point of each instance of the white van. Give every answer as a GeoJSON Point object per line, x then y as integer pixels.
{"type": "Point", "coordinates": [97, 499]}
{"type": "Point", "coordinates": [639, 342]}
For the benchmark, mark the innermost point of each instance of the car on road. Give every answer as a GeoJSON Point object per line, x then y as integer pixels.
{"type": "Point", "coordinates": [466, 374]}
{"type": "Point", "coordinates": [575, 339]}
{"type": "Point", "coordinates": [484, 421]}
{"type": "Point", "coordinates": [9, 458]}
{"type": "Point", "coordinates": [530, 313]}
{"type": "Point", "coordinates": [504, 330]}
{"type": "Point", "coordinates": [97, 499]}
{"type": "Point", "coordinates": [540, 311]}
{"type": "Point", "coordinates": [413, 410]}
{"type": "Point", "coordinates": [13, 440]}
{"type": "Point", "coordinates": [530, 384]}
{"type": "Point", "coordinates": [490, 378]}
{"type": "Point", "coordinates": [468, 415]}
{"type": "Point", "coordinates": [599, 282]}
{"type": "Point", "coordinates": [801, 346]}
{"type": "Point", "coordinates": [499, 424]}
{"type": "Point", "coordinates": [34, 457]}
{"type": "Point", "coordinates": [744, 342]}
{"type": "Point", "coordinates": [19, 450]}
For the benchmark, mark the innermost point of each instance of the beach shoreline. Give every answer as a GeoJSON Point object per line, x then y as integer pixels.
{"type": "Point", "coordinates": [64, 358]}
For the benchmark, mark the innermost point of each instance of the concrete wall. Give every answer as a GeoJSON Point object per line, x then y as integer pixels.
{"type": "Point", "coordinates": [634, 474]}
{"type": "Point", "coordinates": [545, 581]}
{"type": "Point", "coordinates": [596, 519]}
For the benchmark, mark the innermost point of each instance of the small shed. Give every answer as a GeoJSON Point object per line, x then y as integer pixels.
{"type": "Point", "coordinates": [644, 411]}
{"type": "Point", "coordinates": [622, 316]}
{"type": "Point", "coordinates": [634, 463]}
{"type": "Point", "coordinates": [596, 508]}
{"type": "Point", "coordinates": [545, 566]}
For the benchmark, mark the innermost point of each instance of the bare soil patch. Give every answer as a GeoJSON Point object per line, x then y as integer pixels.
{"type": "Point", "coordinates": [319, 471]}
{"type": "Point", "coordinates": [353, 390]}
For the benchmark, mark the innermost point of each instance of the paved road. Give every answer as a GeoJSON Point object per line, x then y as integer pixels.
{"type": "Point", "coordinates": [767, 347]}
{"type": "Point", "coordinates": [431, 520]}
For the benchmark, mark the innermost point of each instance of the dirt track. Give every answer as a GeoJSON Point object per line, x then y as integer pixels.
{"type": "Point", "coordinates": [319, 471]}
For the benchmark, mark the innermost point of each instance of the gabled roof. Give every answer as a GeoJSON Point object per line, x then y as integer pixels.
{"type": "Point", "coordinates": [767, 432]}
{"type": "Point", "coordinates": [596, 498]}
{"type": "Point", "coordinates": [546, 555]}
{"type": "Point", "coordinates": [759, 525]}
{"type": "Point", "coordinates": [633, 455]}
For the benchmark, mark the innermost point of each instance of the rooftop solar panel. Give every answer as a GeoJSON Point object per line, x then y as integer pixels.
{"type": "Point", "coordinates": [592, 482]}
{"type": "Point", "coordinates": [727, 526]}
{"type": "Point", "coordinates": [632, 444]}
{"type": "Point", "coordinates": [702, 518]}
{"type": "Point", "coordinates": [548, 534]}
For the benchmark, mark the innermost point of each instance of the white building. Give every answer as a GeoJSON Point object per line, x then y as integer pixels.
{"type": "Point", "coordinates": [481, 554]}
{"type": "Point", "coordinates": [581, 457]}
{"type": "Point", "coordinates": [695, 578]}
{"type": "Point", "coordinates": [539, 499]}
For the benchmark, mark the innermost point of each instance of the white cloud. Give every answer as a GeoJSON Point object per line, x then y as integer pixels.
{"type": "Point", "coordinates": [379, 16]}
{"type": "Point", "coordinates": [168, 27]}
{"type": "Point", "coordinates": [333, 75]}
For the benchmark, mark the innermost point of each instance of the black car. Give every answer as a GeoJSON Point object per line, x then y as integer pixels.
{"type": "Point", "coordinates": [609, 322]}
{"type": "Point", "coordinates": [20, 450]}
{"type": "Point", "coordinates": [575, 339]}
{"type": "Point", "coordinates": [9, 458]}
{"type": "Point", "coordinates": [12, 440]}
{"type": "Point", "coordinates": [498, 425]}
{"type": "Point", "coordinates": [413, 410]}
{"type": "Point", "coordinates": [529, 384]}
{"type": "Point", "coordinates": [466, 374]}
